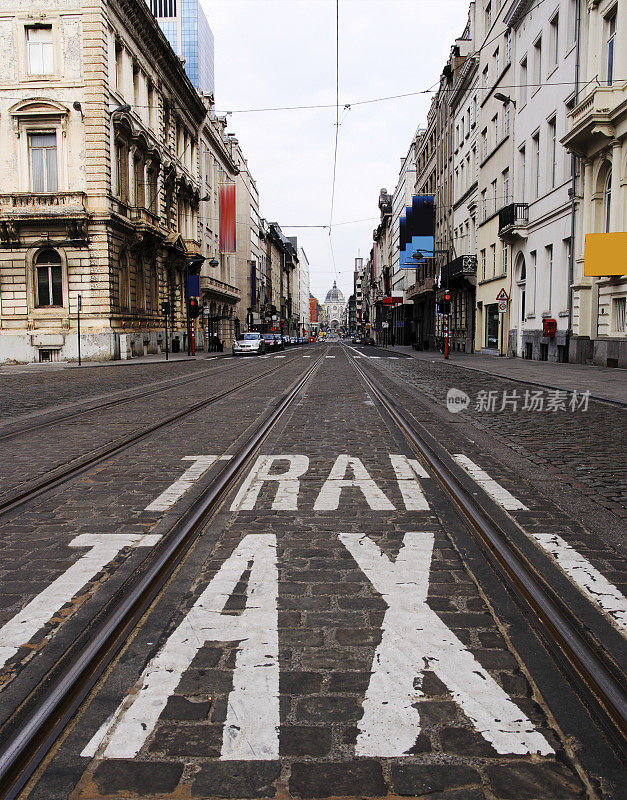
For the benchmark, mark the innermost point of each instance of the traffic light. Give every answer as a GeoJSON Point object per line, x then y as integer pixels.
{"type": "Point", "coordinates": [445, 304]}
{"type": "Point", "coordinates": [193, 307]}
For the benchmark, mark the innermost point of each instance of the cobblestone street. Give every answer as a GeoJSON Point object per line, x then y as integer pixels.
{"type": "Point", "coordinates": [335, 628]}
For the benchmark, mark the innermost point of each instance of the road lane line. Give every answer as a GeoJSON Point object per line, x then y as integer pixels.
{"type": "Point", "coordinates": [103, 548]}
{"type": "Point", "coordinates": [497, 492]}
{"type": "Point", "coordinates": [176, 490]}
{"type": "Point", "coordinates": [592, 583]}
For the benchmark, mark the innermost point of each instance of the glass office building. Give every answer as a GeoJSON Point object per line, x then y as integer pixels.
{"type": "Point", "coordinates": [186, 28]}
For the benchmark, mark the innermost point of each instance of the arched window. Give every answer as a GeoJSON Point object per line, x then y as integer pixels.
{"type": "Point", "coordinates": [154, 289]}
{"type": "Point", "coordinates": [49, 278]}
{"type": "Point", "coordinates": [607, 203]}
{"type": "Point", "coordinates": [140, 285]}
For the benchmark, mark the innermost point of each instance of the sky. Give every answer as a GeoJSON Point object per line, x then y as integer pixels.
{"type": "Point", "coordinates": [277, 53]}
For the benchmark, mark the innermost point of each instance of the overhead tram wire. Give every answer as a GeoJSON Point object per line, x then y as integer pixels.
{"type": "Point", "coordinates": [337, 125]}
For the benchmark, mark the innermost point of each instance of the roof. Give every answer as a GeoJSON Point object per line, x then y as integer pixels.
{"type": "Point", "coordinates": [334, 295]}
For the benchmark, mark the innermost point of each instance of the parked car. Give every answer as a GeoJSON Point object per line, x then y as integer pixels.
{"type": "Point", "coordinates": [279, 341]}
{"type": "Point", "coordinates": [270, 342]}
{"type": "Point", "coordinates": [312, 339]}
{"type": "Point", "coordinates": [368, 340]}
{"type": "Point", "coordinates": [249, 344]}
{"type": "Point", "coordinates": [286, 341]}
{"type": "Point", "coordinates": [356, 340]}
{"type": "Point", "coordinates": [293, 339]}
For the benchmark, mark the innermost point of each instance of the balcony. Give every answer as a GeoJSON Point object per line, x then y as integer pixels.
{"type": "Point", "coordinates": [144, 216]}
{"type": "Point", "coordinates": [420, 288]}
{"type": "Point", "coordinates": [462, 267]}
{"type": "Point", "coordinates": [26, 205]}
{"type": "Point", "coordinates": [594, 120]}
{"type": "Point", "coordinates": [513, 221]}
{"type": "Point", "coordinates": [209, 284]}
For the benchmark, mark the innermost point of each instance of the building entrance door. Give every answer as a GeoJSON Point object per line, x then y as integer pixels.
{"type": "Point", "coordinates": [492, 326]}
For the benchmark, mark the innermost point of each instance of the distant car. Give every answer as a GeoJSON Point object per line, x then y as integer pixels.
{"type": "Point", "coordinates": [249, 344]}
{"type": "Point", "coordinates": [286, 341]}
{"type": "Point", "coordinates": [356, 340]}
{"type": "Point", "coordinates": [368, 340]}
{"type": "Point", "coordinates": [312, 338]}
{"type": "Point", "coordinates": [293, 339]}
{"type": "Point", "coordinates": [279, 341]}
{"type": "Point", "coordinates": [270, 342]}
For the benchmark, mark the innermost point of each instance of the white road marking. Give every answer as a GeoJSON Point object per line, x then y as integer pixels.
{"type": "Point", "coordinates": [286, 498]}
{"type": "Point", "coordinates": [494, 489]}
{"type": "Point", "coordinates": [252, 719]}
{"type": "Point", "coordinates": [103, 549]}
{"type": "Point", "coordinates": [306, 356]}
{"type": "Point", "coordinates": [279, 356]}
{"type": "Point", "coordinates": [407, 471]}
{"type": "Point", "coordinates": [227, 358]}
{"type": "Point", "coordinates": [329, 497]}
{"type": "Point", "coordinates": [359, 353]}
{"type": "Point", "coordinates": [174, 492]}
{"type": "Point", "coordinates": [329, 356]}
{"type": "Point", "coordinates": [414, 639]}
{"type": "Point", "coordinates": [593, 584]}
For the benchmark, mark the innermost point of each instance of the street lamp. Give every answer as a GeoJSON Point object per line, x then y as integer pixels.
{"type": "Point", "coordinates": [504, 98]}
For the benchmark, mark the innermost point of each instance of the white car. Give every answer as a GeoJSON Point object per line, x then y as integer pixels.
{"type": "Point", "coordinates": [249, 344]}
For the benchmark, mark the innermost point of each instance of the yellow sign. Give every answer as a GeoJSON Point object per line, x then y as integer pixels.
{"type": "Point", "coordinates": [605, 254]}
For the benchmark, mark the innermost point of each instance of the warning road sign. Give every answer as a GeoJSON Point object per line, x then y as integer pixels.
{"type": "Point", "coordinates": [502, 295]}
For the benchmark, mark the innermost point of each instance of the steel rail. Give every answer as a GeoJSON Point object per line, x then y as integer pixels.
{"type": "Point", "coordinates": [589, 670]}
{"type": "Point", "coordinates": [58, 417]}
{"type": "Point", "coordinates": [28, 745]}
{"type": "Point", "coordinates": [64, 472]}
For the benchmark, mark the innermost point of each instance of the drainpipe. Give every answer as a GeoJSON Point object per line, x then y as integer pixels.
{"type": "Point", "coordinates": [573, 188]}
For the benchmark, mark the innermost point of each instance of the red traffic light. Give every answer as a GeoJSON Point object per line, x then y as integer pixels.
{"type": "Point", "coordinates": [447, 296]}
{"type": "Point", "coordinates": [193, 307]}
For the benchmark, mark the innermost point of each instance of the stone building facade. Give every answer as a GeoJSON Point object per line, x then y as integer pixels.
{"type": "Point", "coordinates": [99, 181]}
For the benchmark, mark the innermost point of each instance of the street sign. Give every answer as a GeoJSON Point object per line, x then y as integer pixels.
{"type": "Point", "coordinates": [502, 295]}
{"type": "Point", "coordinates": [206, 311]}
{"type": "Point", "coordinates": [392, 301]}
{"type": "Point", "coordinates": [502, 306]}
{"type": "Point", "coordinates": [384, 324]}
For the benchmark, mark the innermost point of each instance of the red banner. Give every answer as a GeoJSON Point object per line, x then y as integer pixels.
{"type": "Point", "coordinates": [227, 218]}
{"type": "Point", "coordinates": [392, 301]}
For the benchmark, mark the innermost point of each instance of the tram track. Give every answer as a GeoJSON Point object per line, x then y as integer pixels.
{"type": "Point", "coordinates": [594, 675]}
{"type": "Point", "coordinates": [32, 730]}
{"type": "Point", "coordinates": [57, 416]}
{"type": "Point", "coordinates": [68, 470]}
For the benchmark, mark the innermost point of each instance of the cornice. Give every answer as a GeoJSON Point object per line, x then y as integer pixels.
{"type": "Point", "coordinates": [517, 11]}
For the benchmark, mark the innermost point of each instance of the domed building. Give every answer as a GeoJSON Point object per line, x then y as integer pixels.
{"type": "Point", "coordinates": [334, 308]}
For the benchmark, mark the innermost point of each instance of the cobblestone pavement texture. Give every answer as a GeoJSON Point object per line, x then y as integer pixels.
{"type": "Point", "coordinates": [32, 454]}
{"type": "Point", "coordinates": [330, 620]}
{"type": "Point", "coordinates": [110, 499]}
{"type": "Point", "coordinates": [582, 446]}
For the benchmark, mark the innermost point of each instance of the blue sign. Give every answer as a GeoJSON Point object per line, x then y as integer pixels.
{"type": "Point", "coordinates": [193, 285]}
{"type": "Point", "coordinates": [416, 231]}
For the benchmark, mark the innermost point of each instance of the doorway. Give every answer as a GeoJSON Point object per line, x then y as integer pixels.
{"type": "Point", "coordinates": [492, 326]}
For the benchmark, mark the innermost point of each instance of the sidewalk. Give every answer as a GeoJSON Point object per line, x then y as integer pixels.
{"type": "Point", "coordinates": [604, 383]}
{"type": "Point", "coordinates": [55, 366]}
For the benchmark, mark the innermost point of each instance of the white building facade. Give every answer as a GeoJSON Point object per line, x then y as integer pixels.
{"type": "Point", "coordinates": [537, 222]}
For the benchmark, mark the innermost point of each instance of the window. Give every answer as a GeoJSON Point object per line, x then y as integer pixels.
{"type": "Point", "coordinates": [610, 25]}
{"type": "Point", "coordinates": [620, 306]}
{"type": "Point", "coordinates": [494, 195]}
{"type": "Point", "coordinates": [523, 82]}
{"type": "Point", "coordinates": [484, 82]}
{"type": "Point", "coordinates": [506, 187]}
{"type": "Point", "coordinates": [484, 143]}
{"type": "Point", "coordinates": [138, 176]}
{"type": "Point", "coordinates": [40, 55]}
{"type": "Point", "coordinates": [151, 104]}
{"type": "Point", "coordinates": [495, 130]}
{"type": "Point", "coordinates": [483, 265]}
{"type": "Point", "coordinates": [536, 164]}
{"type": "Point", "coordinates": [497, 62]}
{"type": "Point", "coordinates": [506, 119]}
{"type": "Point", "coordinates": [493, 259]}
{"type": "Point", "coordinates": [537, 63]}
{"type": "Point", "coordinates": [553, 152]}
{"type": "Point", "coordinates": [43, 162]}
{"type": "Point", "coordinates": [49, 279]}
{"type": "Point", "coordinates": [136, 88]}
{"type": "Point", "coordinates": [121, 163]}
{"type": "Point", "coordinates": [522, 156]}
{"type": "Point", "coordinates": [484, 205]}
{"type": "Point", "coordinates": [119, 67]}
{"type": "Point", "coordinates": [124, 288]}
{"type": "Point", "coordinates": [504, 261]}
{"type": "Point", "coordinates": [508, 46]}
{"type": "Point", "coordinates": [554, 40]}
{"type": "Point", "coordinates": [461, 128]}
{"type": "Point", "coordinates": [572, 21]}
{"type": "Point", "coordinates": [488, 17]}
{"type": "Point", "coordinates": [474, 110]}
{"type": "Point", "coordinates": [607, 204]}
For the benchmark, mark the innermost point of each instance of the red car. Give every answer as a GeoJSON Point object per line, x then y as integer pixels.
{"type": "Point", "coordinates": [312, 338]}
